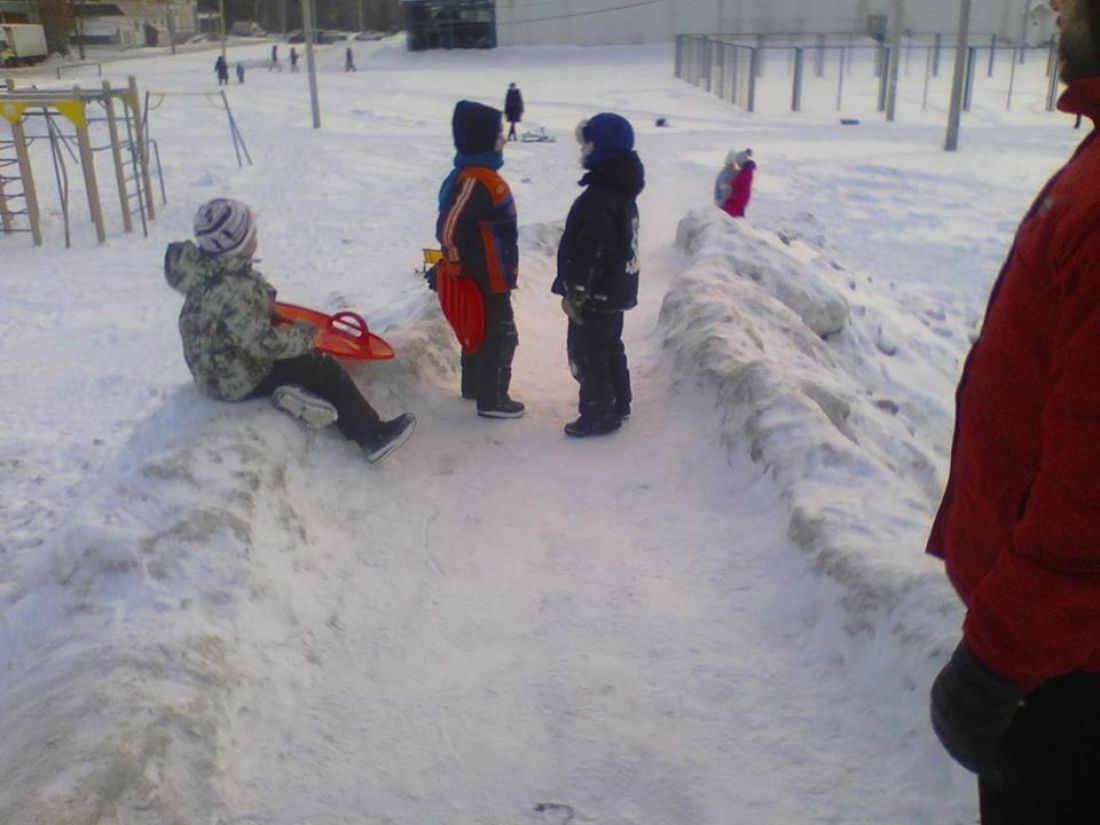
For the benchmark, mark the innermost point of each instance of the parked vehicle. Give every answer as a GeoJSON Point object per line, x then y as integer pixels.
{"type": "Point", "coordinates": [22, 43]}
{"type": "Point", "coordinates": [320, 36]}
{"type": "Point", "coordinates": [246, 28]}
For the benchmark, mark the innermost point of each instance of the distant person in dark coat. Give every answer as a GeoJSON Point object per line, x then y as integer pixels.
{"type": "Point", "coordinates": [349, 60]}
{"type": "Point", "coordinates": [293, 59]}
{"type": "Point", "coordinates": [274, 64]}
{"type": "Point", "coordinates": [513, 109]}
{"type": "Point", "coordinates": [598, 272]}
{"type": "Point", "coordinates": [221, 69]}
{"type": "Point", "coordinates": [240, 73]}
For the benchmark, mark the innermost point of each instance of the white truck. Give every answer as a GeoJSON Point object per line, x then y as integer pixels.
{"type": "Point", "coordinates": [22, 43]}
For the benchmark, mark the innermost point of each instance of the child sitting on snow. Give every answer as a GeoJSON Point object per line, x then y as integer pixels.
{"type": "Point", "coordinates": [733, 188]}
{"type": "Point", "coordinates": [236, 349]}
{"type": "Point", "coordinates": [598, 272]}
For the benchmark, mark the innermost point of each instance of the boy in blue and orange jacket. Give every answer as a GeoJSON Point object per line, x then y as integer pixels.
{"type": "Point", "coordinates": [477, 230]}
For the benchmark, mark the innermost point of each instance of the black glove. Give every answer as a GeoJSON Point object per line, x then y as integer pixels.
{"type": "Point", "coordinates": [573, 305]}
{"type": "Point", "coordinates": [972, 708]}
{"type": "Point", "coordinates": [429, 276]}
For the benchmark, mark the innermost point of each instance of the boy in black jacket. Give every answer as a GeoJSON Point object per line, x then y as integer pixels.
{"type": "Point", "coordinates": [477, 230]}
{"type": "Point", "coordinates": [598, 272]}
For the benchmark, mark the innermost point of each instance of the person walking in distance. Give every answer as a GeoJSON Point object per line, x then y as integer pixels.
{"type": "Point", "coordinates": [1018, 703]}
{"type": "Point", "coordinates": [513, 109]}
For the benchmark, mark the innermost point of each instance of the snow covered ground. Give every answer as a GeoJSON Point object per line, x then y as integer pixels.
{"type": "Point", "coordinates": [720, 614]}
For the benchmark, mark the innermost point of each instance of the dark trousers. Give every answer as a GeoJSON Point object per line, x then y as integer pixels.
{"type": "Point", "coordinates": [487, 373]}
{"type": "Point", "coordinates": [511, 130]}
{"type": "Point", "coordinates": [1050, 758]}
{"type": "Point", "coordinates": [597, 359]}
{"type": "Point", "coordinates": [324, 376]}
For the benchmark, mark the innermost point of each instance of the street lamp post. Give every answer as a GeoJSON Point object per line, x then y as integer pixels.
{"type": "Point", "coordinates": [895, 60]}
{"type": "Point", "coordinates": [311, 68]}
{"type": "Point", "coordinates": [955, 115]}
{"type": "Point", "coordinates": [221, 25]}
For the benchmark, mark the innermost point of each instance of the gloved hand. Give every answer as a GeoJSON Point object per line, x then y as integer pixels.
{"type": "Point", "coordinates": [429, 276]}
{"type": "Point", "coordinates": [573, 305]}
{"type": "Point", "coordinates": [972, 708]}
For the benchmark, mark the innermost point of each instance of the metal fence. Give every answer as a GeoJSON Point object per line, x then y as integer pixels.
{"type": "Point", "coordinates": [851, 73]}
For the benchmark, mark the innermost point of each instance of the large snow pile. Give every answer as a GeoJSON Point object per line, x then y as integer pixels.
{"type": "Point", "coordinates": [815, 383]}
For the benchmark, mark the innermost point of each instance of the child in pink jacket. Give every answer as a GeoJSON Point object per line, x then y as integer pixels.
{"type": "Point", "coordinates": [733, 188]}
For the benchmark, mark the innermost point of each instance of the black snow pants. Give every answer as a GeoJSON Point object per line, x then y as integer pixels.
{"type": "Point", "coordinates": [1050, 758]}
{"type": "Point", "coordinates": [597, 359]}
{"type": "Point", "coordinates": [487, 373]}
{"type": "Point", "coordinates": [325, 377]}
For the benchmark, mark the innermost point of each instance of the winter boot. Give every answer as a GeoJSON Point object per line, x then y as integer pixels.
{"type": "Point", "coordinates": [388, 437]}
{"type": "Point", "coordinates": [502, 408]}
{"type": "Point", "coordinates": [586, 426]}
{"type": "Point", "coordinates": [308, 408]}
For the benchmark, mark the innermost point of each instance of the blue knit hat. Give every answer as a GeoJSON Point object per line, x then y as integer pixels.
{"type": "Point", "coordinates": [607, 134]}
{"type": "Point", "coordinates": [475, 126]}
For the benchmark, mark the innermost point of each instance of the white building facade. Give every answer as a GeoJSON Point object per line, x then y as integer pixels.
{"type": "Point", "coordinates": [597, 22]}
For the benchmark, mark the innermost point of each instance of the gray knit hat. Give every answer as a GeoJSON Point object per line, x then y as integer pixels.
{"type": "Point", "coordinates": [223, 226]}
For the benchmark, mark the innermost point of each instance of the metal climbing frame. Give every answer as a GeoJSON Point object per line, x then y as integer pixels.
{"type": "Point", "coordinates": [85, 111]}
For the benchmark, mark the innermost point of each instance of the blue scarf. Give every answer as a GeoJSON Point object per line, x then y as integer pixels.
{"type": "Point", "coordinates": [490, 159]}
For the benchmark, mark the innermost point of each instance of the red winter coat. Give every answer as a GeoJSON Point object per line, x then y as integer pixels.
{"type": "Point", "coordinates": [1019, 525]}
{"type": "Point", "coordinates": [740, 190]}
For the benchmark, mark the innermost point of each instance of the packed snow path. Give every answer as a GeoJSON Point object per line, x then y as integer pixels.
{"type": "Point", "coordinates": [547, 620]}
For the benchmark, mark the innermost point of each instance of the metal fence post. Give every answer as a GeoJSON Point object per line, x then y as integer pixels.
{"type": "Point", "coordinates": [754, 68]}
{"type": "Point", "coordinates": [971, 59]}
{"type": "Point", "coordinates": [708, 60]}
{"type": "Point", "coordinates": [884, 80]}
{"type": "Point", "coordinates": [1011, 82]}
{"type": "Point", "coordinates": [937, 48]}
{"type": "Point", "coordinates": [840, 80]}
{"type": "Point", "coordinates": [819, 65]}
{"type": "Point", "coordinates": [796, 92]}
{"type": "Point", "coordinates": [992, 53]}
{"type": "Point", "coordinates": [1052, 92]}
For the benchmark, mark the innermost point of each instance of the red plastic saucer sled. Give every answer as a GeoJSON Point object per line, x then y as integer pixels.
{"type": "Point", "coordinates": [344, 334]}
{"type": "Point", "coordinates": [462, 305]}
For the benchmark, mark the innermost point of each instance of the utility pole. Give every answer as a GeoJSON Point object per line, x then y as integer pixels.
{"type": "Point", "coordinates": [961, 48]}
{"type": "Point", "coordinates": [311, 67]}
{"type": "Point", "coordinates": [221, 25]}
{"type": "Point", "coordinates": [895, 60]}
{"type": "Point", "coordinates": [1023, 29]}
{"type": "Point", "coordinates": [171, 21]}
{"type": "Point", "coordinates": [79, 31]}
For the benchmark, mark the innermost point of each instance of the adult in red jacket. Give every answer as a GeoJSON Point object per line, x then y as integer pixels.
{"type": "Point", "coordinates": [1019, 525]}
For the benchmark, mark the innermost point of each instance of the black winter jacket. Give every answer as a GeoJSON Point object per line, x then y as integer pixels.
{"type": "Point", "coordinates": [598, 252]}
{"type": "Point", "coordinates": [513, 105]}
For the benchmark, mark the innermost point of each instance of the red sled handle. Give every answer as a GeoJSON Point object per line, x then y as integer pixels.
{"type": "Point", "coordinates": [349, 322]}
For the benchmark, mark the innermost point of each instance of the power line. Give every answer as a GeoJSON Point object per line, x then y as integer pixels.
{"type": "Point", "coordinates": [579, 13]}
